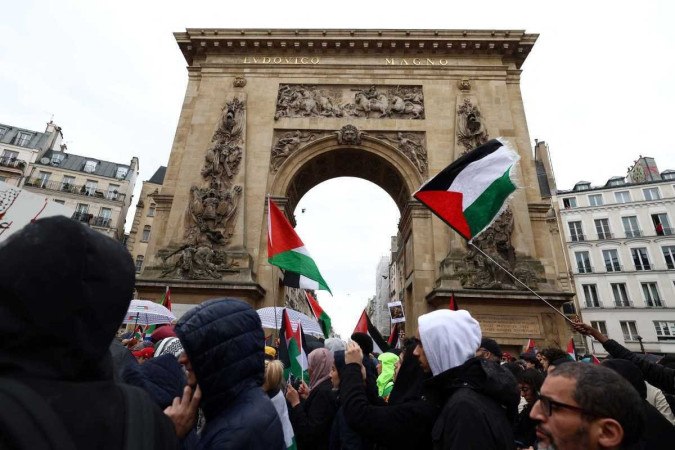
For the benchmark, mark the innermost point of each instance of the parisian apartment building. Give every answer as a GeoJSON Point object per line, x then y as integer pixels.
{"type": "Point", "coordinates": [621, 246]}
{"type": "Point", "coordinates": [100, 192]}
{"type": "Point", "coordinates": [141, 227]}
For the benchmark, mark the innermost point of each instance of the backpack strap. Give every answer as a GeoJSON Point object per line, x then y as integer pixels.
{"type": "Point", "coordinates": [139, 427]}
{"type": "Point", "coordinates": [27, 421]}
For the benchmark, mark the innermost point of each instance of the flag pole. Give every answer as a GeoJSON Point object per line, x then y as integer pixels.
{"type": "Point", "coordinates": [523, 284]}
{"type": "Point", "coordinates": [274, 278]}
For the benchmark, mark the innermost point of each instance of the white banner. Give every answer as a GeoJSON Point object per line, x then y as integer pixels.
{"type": "Point", "coordinates": [396, 312]}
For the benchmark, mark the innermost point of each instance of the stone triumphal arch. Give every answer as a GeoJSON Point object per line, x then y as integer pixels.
{"type": "Point", "coordinates": [280, 111]}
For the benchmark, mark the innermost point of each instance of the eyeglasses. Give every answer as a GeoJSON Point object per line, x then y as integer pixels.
{"type": "Point", "coordinates": [548, 405]}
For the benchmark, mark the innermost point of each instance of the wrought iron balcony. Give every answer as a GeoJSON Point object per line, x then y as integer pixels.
{"type": "Point", "coordinates": [606, 235]}
{"type": "Point", "coordinates": [103, 222]}
{"type": "Point", "coordinates": [83, 190]}
{"type": "Point", "coordinates": [13, 163]}
{"type": "Point", "coordinates": [578, 237]}
{"type": "Point", "coordinates": [633, 233]}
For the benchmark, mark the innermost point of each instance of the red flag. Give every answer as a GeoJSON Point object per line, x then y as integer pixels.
{"type": "Point", "coordinates": [570, 349]}
{"type": "Point", "coordinates": [595, 360]}
{"type": "Point", "coordinates": [393, 336]}
{"type": "Point", "coordinates": [531, 346]}
{"type": "Point", "coordinates": [166, 299]}
{"type": "Point", "coordinates": [452, 306]}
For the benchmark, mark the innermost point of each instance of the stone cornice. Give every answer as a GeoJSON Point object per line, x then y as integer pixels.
{"type": "Point", "coordinates": [513, 45]}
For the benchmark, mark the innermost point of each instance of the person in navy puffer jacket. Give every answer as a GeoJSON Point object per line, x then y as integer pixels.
{"type": "Point", "coordinates": [224, 342]}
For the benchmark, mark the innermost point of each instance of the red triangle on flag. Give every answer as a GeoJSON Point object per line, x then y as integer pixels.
{"type": "Point", "coordinates": [570, 349]}
{"type": "Point", "coordinates": [596, 361]}
{"type": "Point", "coordinates": [281, 236]}
{"type": "Point", "coordinates": [452, 305]}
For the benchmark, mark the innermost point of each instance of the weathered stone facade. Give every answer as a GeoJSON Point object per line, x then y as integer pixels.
{"type": "Point", "coordinates": [392, 107]}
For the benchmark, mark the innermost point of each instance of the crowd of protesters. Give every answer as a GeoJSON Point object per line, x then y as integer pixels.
{"type": "Point", "coordinates": [209, 381]}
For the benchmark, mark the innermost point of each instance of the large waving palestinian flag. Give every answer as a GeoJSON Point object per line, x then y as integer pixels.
{"type": "Point", "coordinates": [470, 193]}
{"type": "Point", "coordinates": [286, 251]}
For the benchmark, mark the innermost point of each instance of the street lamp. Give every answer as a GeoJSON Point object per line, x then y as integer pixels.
{"type": "Point", "coordinates": [642, 347]}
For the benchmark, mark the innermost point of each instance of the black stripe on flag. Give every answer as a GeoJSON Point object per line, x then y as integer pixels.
{"type": "Point", "coordinates": [291, 279]}
{"type": "Point", "coordinates": [444, 179]}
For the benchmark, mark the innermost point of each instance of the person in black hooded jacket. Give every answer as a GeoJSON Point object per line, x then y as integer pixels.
{"type": "Point", "coordinates": [64, 290]}
{"type": "Point", "coordinates": [224, 344]}
{"type": "Point", "coordinates": [478, 398]}
{"type": "Point", "coordinates": [407, 408]}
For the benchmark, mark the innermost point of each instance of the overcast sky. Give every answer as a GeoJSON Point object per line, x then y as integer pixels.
{"type": "Point", "coordinates": [596, 88]}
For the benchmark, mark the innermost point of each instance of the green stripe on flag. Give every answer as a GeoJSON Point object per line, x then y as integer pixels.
{"type": "Point", "coordinates": [481, 212]}
{"type": "Point", "coordinates": [301, 264]}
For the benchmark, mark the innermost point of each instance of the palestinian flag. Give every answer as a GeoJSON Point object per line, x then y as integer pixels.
{"type": "Point", "coordinates": [393, 342]}
{"type": "Point", "coordinates": [319, 314]}
{"type": "Point", "coordinates": [364, 325]}
{"type": "Point", "coordinates": [292, 349]}
{"type": "Point", "coordinates": [164, 301]}
{"type": "Point", "coordinates": [286, 251]}
{"type": "Point", "coordinates": [595, 360]}
{"type": "Point", "coordinates": [570, 350]}
{"type": "Point", "coordinates": [452, 304]}
{"type": "Point", "coordinates": [470, 193]}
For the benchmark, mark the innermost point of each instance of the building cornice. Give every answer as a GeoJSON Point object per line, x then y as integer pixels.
{"type": "Point", "coordinates": [513, 45]}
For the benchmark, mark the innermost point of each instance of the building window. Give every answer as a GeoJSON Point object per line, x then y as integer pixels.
{"type": "Point", "coordinates": [139, 263]}
{"type": "Point", "coordinates": [616, 181]}
{"type": "Point", "coordinates": [105, 213]}
{"type": "Point", "coordinates": [9, 155]}
{"type": "Point", "coordinates": [629, 330]}
{"type": "Point", "coordinates": [22, 139]}
{"type": "Point", "coordinates": [569, 202]}
{"type": "Point", "coordinates": [651, 193]}
{"type": "Point", "coordinates": [595, 200]}
{"type": "Point", "coordinates": [640, 258]}
{"type": "Point", "coordinates": [43, 179]}
{"type": "Point", "coordinates": [57, 158]}
{"type": "Point", "coordinates": [665, 330]}
{"type": "Point", "coordinates": [651, 293]}
{"type": "Point", "coordinates": [113, 191]}
{"type": "Point", "coordinates": [600, 325]}
{"type": "Point", "coordinates": [620, 294]}
{"type": "Point", "coordinates": [151, 211]}
{"type": "Point", "coordinates": [576, 232]}
{"type": "Point", "coordinates": [121, 173]}
{"type": "Point", "coordinates": [591, 296]}
{"type": "Point", "coordinates": [622, 196]}
{"type": "Point", "coordinates": [661, 224]}
{"type": "Point", "coordinates": [602, 228]}
{"type": "Point", "coordinates": [669, 256]}
{"type": "Point", "coordinates": [67, 183]}
{"type": "Point", "coordinates": [146, 233]}
{"type": "Point", "coordinates": [611, 258]}
{"type": "Point", "coordinates": [90, 166]}
{"type": "Point", "coordinates": [90, 187]}
{"type": "Point", "coordinates": [631, 227]}
{"type": "Point", "coordinates": [583, 262]}
{"type": "Point", "coordinates": [82, 213]}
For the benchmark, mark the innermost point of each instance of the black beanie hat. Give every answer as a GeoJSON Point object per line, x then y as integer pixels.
{"type": "Point", "coordinates": [364, 341]}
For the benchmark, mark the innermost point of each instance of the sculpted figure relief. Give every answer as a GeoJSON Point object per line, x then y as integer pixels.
{"type": "Point", "coordinates": [471, 129]}
{"type": "Point", "coordinates": [412, 147]}
{"type": "Point", "coordinates": [211, 213]}
{"type": "Point", "coordinates": [344, 101]}
{"type": "Point", "coordinates": [286, 145]}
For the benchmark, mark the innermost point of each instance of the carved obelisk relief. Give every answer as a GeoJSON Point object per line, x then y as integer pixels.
{"type": "Point", "coordinates": [212, 211]}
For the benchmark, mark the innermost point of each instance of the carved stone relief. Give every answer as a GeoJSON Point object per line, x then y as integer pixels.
{"type": "Point", "coordinates": [400, 102]}
{"type": "Point", "coordinates": [213, 204]}
{"type": "Point", "coordinates": [411, 144]}
{"type": "Point", "coordinates": [476, 271]}
{"type": "Point", "coordinates": [471, 130]}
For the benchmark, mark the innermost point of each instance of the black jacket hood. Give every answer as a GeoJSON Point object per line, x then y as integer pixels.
{"type": "Point", "coordinates": [64, 290]}
{"type": "Point", "coordinates": [486, 377]}
{"type": "Point", "coordinates": [225, 342]}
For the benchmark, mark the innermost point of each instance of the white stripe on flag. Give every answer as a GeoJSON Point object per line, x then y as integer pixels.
{"type": "Point", "coordinates": [479, 175]}
{"type": "Point", "coordinates": [307, 283]}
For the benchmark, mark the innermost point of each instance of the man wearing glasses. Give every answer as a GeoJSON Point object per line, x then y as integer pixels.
{"type": "Point", "coordinates": [587, 407]}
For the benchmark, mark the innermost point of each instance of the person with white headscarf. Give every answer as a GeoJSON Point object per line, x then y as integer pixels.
{"type": "Point", "coordinates": [478, 398]}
